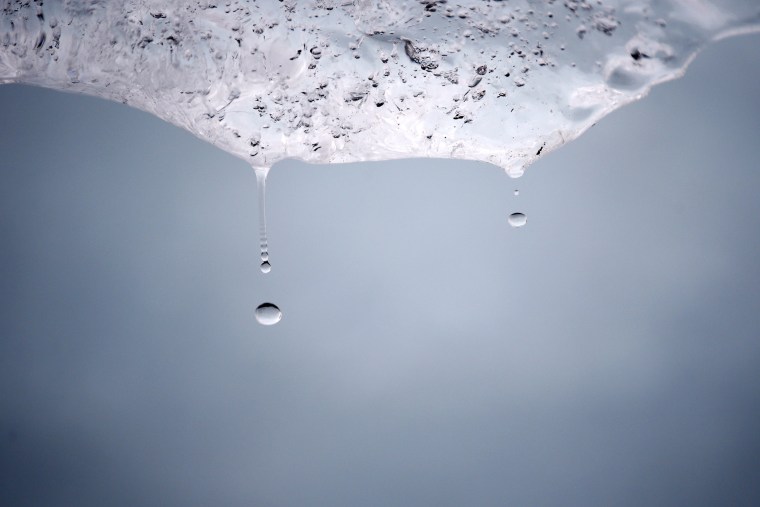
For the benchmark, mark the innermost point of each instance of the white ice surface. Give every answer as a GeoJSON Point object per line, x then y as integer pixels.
{"type": "Point", "coordinates": [340, 80]}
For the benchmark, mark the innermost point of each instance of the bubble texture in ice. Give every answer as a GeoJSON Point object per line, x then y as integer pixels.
{"type": "Point", "coordinates": [338, 81]}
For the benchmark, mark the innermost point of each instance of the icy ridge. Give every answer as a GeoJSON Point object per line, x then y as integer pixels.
{"type": "Point", "coordinates": [339, 81]}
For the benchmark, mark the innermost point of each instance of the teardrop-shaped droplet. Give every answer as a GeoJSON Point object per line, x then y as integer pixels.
{"type": "Point", "coordinates": [517, 219]}
{"type": "Point", "coordinates": [268, 314]}
{"type": "Point", "coordinates": [266, 267]}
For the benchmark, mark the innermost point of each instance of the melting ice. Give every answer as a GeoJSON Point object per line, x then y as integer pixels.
{"type": "Point", "coordinates": [341, 80]}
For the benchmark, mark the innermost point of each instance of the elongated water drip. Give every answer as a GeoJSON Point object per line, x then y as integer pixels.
{"type": "Point", "coordinates": [261, 184]}
{"type": "Point", "coordinates": [267, 314]}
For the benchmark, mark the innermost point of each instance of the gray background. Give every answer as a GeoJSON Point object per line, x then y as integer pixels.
{"type": "Point", "coordinates": [608, 353]}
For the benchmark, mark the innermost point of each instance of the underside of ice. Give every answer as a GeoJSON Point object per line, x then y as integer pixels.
{"type": "Point", "coordinates": [341, 80]}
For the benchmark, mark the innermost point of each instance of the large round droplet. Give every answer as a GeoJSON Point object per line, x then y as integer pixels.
{"type": "Point", "coordinates": [517, 219]}
{"type": "Point", "coordinates": [268, 314]}
{"type": "Point", "coordinates": [266, 267]}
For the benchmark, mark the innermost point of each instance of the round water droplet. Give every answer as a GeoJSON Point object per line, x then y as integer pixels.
{"type": "Point", "coordinates": [264, 256]}
{"type": "Point", "coordinates": [517, 192]}
{"type": "Point", "coordinates": [517, 219]}
{"type": "Point", "coordinates": [268, 314]}
{"type": "Point", "coordinates": [266, 267]}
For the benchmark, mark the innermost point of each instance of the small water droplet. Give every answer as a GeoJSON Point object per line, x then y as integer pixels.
{"type": "Point", "coordinates": [266, 267]}
{"type": "Point", "coordinates": [517, 219]}
{"type": "Point", "coordinates": [268, 314]}
{"type": "Point", "coordinates": [264, 256]}
{"type": "Point", "coordinates": [517, 192]}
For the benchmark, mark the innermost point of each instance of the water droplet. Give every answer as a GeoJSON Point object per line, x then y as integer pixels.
{"type": "Point", "coordinates": [268, 314]}
{"type": "Point", "coordinates": [266, 267]}
{"type": "Point", "coordinates": [517, 192]}
{"type": "Point", "coordinates": [517, 219]}
{"type": "Point", "coordinates": [264, 256]}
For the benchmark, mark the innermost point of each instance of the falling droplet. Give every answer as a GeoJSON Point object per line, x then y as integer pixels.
{"type": "Point", "coordinates": [268, 314]}
{"type": "Point", "coordinates": [517, 192]}
{"type": "Point", "coordinates": [517, 219]}
{"type": "Point", "coordinates": [261, 183]}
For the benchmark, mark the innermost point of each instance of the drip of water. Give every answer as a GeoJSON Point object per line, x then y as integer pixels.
{"type": "Point", "coordinates": [517, 192]}
{"type": "Point", "coordinates": [261, 184]}
{"type": "Point", "coordinates": [268, 314]}
{"type": "Point", "coordinates": [517, 219]}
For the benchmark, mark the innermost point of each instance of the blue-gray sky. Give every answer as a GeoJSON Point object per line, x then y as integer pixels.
{"type": "Point", "coordinates": [608, 353]}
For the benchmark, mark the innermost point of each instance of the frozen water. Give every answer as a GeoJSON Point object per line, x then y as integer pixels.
{"type": "Point", "coordinates": [341, 80]}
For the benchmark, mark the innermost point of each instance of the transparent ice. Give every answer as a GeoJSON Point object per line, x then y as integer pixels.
{"type": "Point", "coordinates": [340, 80]}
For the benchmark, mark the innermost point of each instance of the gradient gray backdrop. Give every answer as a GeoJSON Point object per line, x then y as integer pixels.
{"type": "Point", "coordinates": [606, 354]}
